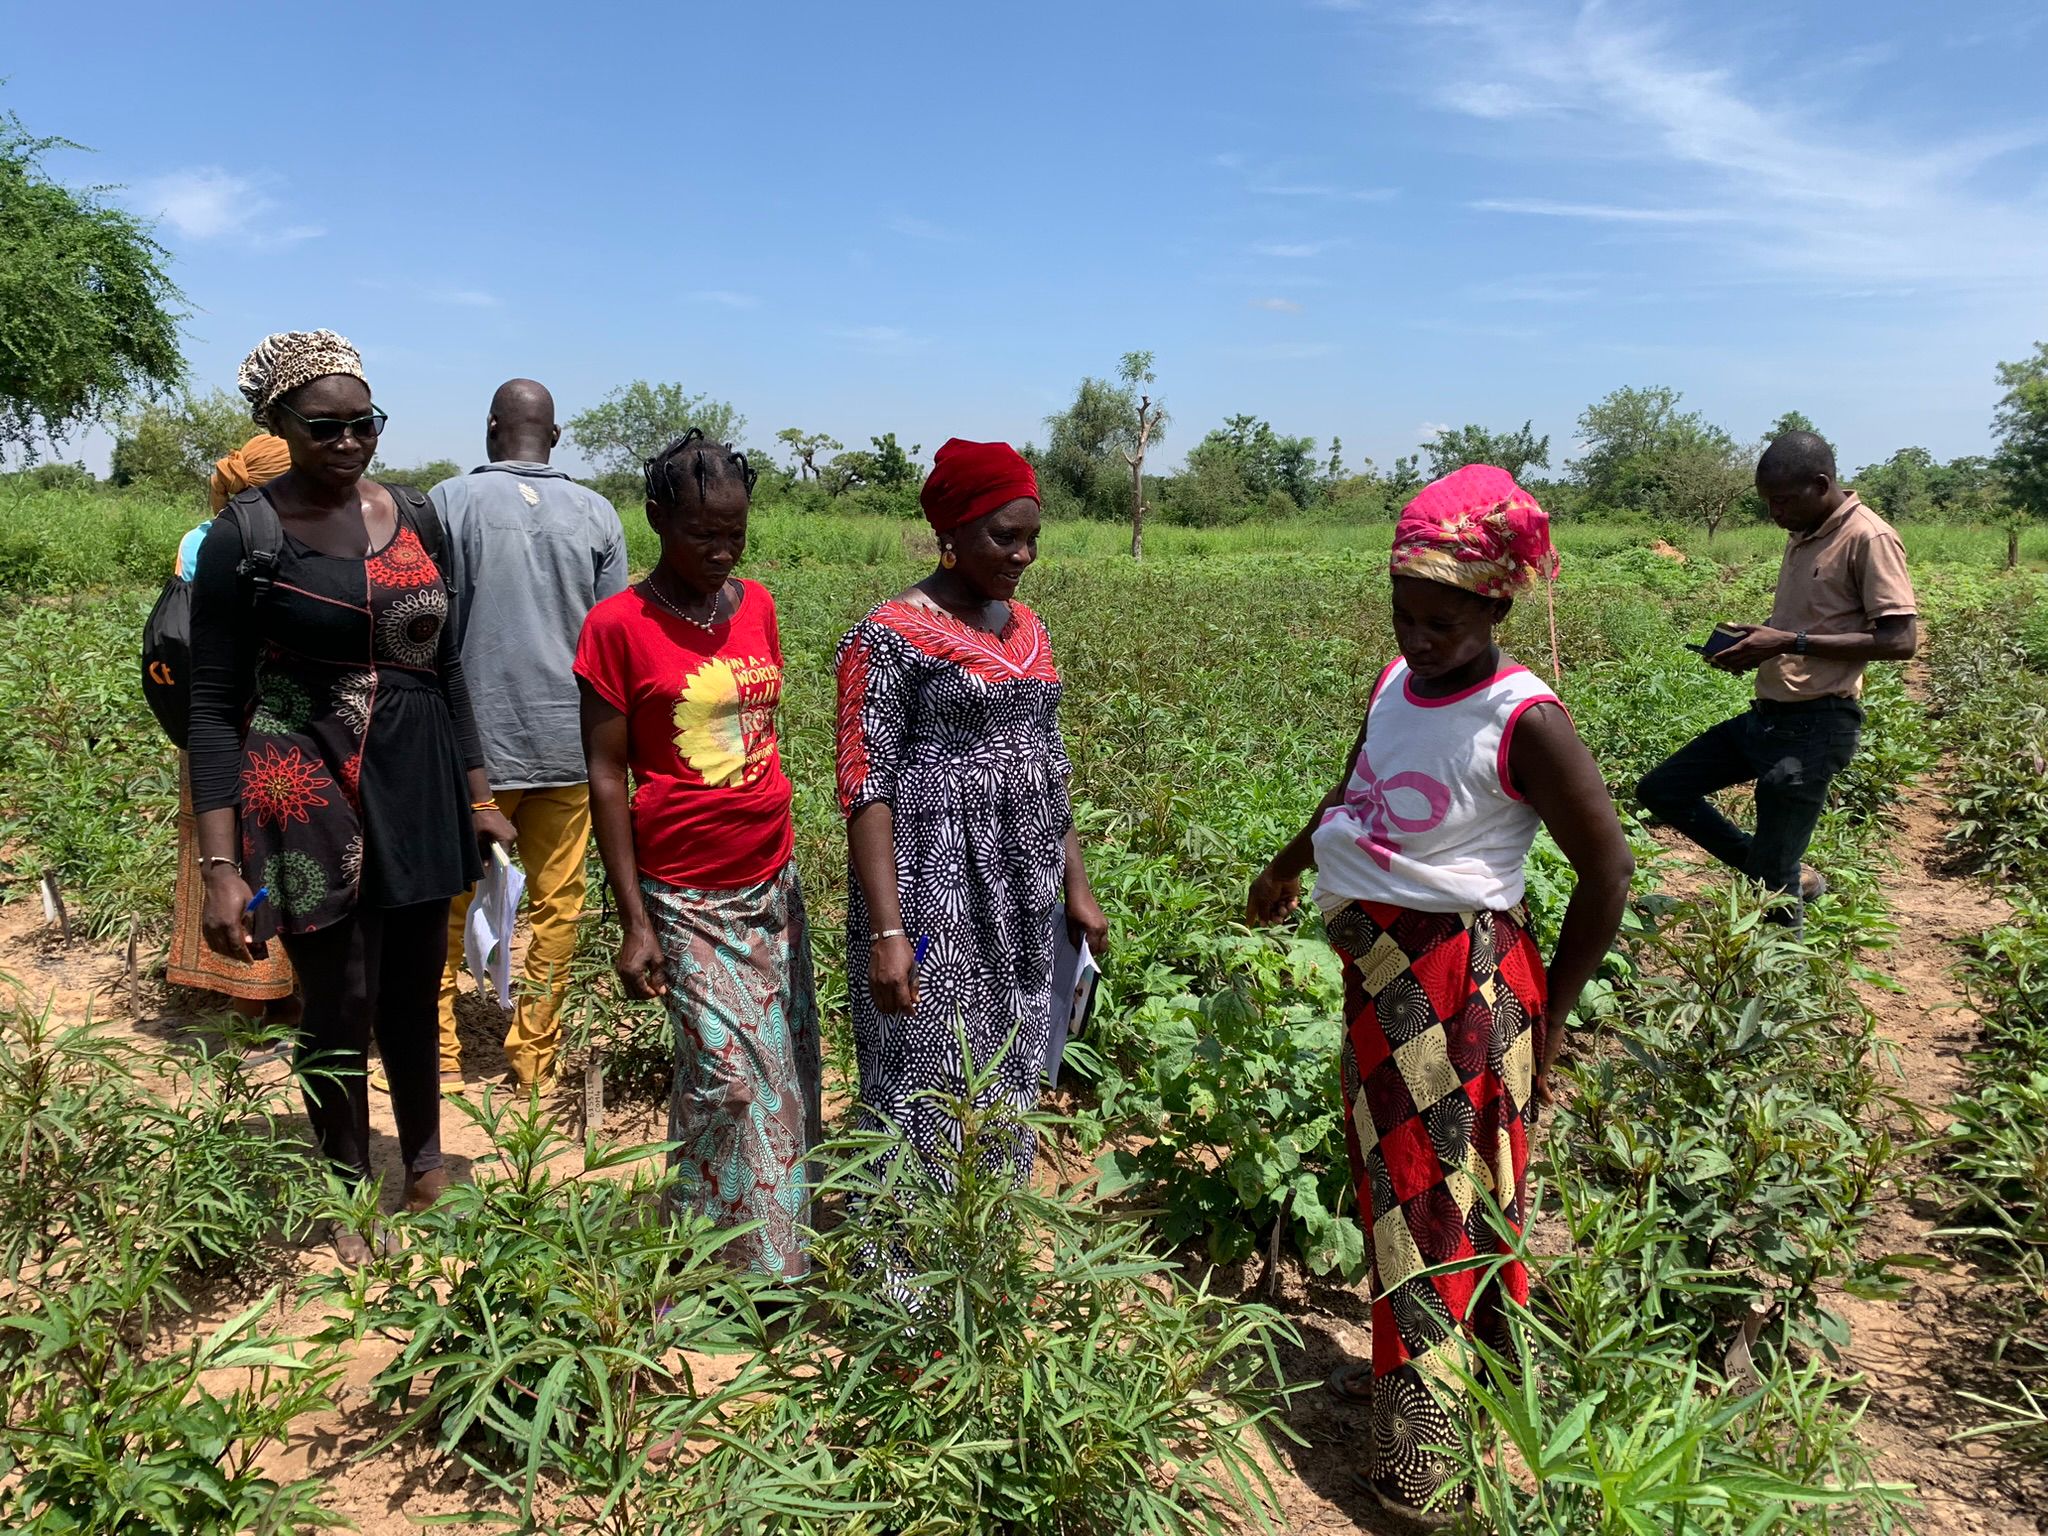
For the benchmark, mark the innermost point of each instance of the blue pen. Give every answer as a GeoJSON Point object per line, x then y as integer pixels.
{"type": "Point", "coordinates": [924, 942]}
{"type": "Point", "coordinates": [262, 895]}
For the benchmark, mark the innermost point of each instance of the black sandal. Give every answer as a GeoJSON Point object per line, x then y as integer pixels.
{"type": "Point", "coordinates": [1343, 1384]}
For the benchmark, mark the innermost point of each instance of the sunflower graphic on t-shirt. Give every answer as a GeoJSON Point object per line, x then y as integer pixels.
{"type": "Point", "coordinates": [724, 719]}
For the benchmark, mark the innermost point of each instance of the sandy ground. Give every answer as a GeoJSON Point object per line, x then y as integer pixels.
{"type": "Point", "coordinates": [1916, 1355]}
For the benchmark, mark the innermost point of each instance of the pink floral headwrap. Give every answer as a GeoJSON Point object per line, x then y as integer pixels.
{"type": "Point", "coordinates": [1475, 529]}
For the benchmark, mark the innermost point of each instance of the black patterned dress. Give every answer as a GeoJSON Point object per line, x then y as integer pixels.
{"type": "Point", "coordinates": [351, 771]}
{"type": "Point", "coordinates": [958, 730]}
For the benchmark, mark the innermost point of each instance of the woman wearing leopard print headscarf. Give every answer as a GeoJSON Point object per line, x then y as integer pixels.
{"type": "Point", "coordinates": [336, 770]}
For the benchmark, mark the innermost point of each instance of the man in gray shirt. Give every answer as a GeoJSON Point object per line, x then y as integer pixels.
{"type": "Point", "coordinates": [530, 552]}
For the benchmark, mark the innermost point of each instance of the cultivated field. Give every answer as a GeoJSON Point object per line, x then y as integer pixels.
{"type": "Point", "coordinates": [1791, 1243]}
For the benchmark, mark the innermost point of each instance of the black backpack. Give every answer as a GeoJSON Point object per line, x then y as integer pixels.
{"type": "Point", "coordinates": [167, 636]}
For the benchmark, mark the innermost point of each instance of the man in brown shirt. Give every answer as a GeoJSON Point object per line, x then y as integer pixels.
{"type": "Point", "coordinates": [1844, 599]}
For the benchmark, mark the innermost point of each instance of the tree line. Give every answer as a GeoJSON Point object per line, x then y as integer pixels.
{"type": "Point", "coordinates": [88, 334]}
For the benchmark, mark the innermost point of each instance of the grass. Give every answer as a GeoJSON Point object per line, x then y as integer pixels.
{"type": "Point", "coordinates": [71, 541]}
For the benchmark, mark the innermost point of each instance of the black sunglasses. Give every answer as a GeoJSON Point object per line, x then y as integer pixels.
{"type": "Point", "coordinates": [328, 429]}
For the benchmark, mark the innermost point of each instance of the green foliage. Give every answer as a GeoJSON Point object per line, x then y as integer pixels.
{"type": "Point", "coordinates": [1082, 466]}
{"type": "Point", "coordinates": [128, 1176]}
{"type": "Point", "coordinates": [1994, 713]}
{"type": "Point", "coordinates": [88, 785]}
{"type": "Point", "coordinates": [1455, 447]}
{"type": "Point", "coordinates": [111, 1153]}
{"type": "Point", "coordinates": [100, 1435]}
{"type": "Point", "coordinates": [983, 1358]}
{"type": "Point", "coordinates": [1643, 454]}
{"type": "Point", "coordinates": [886, 466]}
{"type": "Point", "coordinates": [87, 318]}
{"type": "Point", "coordinates": [1793, 421]}
{"type": "Point", "coordinates": [804, 448]}
{"type": "Point", "coordinates": [1701, 478]}
{"type": "Point", "coordinates": [1248, 453]}
{"type": "Point", "coordinates": [542, 1316]}
{"type": "Point", "coordinates": [1596, 1415]}
{"type": "Point", "coordinates": [1233, 1102]}
{"type": "Point", "coordinates": [421, 477]}
{"type": "Point", "coordinates": [2021, 424]}
{"type": "Point", "coordinates": [637, 420]}
{"type": "Point", "coordinates": [1742, 1097]}
{"type": "Point", "coordinates": [171, 447]}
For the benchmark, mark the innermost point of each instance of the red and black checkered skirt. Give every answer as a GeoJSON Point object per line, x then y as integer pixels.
{"type": "Point", "coordinates": [1442, 1013]}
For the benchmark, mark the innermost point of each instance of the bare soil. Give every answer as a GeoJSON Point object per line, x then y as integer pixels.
{"type": "Point", "coordinates": [1916, 1355]}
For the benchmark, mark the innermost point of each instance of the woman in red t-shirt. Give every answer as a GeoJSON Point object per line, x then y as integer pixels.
{"type": "Point", "coordinates": [680, 677]}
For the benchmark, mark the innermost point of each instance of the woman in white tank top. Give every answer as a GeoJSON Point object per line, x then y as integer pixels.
{"type": "Point", "coordinates": [1451, 1022]}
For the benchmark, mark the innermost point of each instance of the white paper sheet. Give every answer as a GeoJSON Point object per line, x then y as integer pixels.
{"type": "Point", "coordinates": [487, 935]}
{"type": "Point", "coordinates": [1074, 975]}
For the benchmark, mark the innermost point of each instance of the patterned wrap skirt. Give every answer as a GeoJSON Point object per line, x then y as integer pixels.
{"type": "Point", "coordinates": [1443, 1012]}
{"type": "Point", "coordinates": [745, 1110]}
{"type": "Point", "coordinates": [191, 963]}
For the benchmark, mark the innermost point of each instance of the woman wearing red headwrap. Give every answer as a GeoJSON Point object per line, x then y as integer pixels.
{"type": "Point", "coordinates": [954, 782]}
{"type": "Point", "coordinates": [1452, 1025]}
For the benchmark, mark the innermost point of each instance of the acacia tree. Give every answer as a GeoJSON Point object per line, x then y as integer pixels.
{"type": "Point", "coordinates": [1147, 422]}
{"type": "Point", "coordinates": [1702, 478]}
{"type": "Point", "coordinates": [636, 421]}
{"type": "Point", "coordinates": [886, 465]}
{"type": "Point", "coordinates": [173, 446]}
{"type": "Point", "coordinates": [86, 318]}
{"type": "Point", "coordinates": [1625, 436]}
{"type": "Point", "coordinates": [804, 448]}
{"type": "Point", "coordinates": [2021, 424]}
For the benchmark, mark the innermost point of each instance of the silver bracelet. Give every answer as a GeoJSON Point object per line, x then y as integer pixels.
{"type": "Point", "coordinates": [216, 858]}
{"type": "Point", "coordinates": [891, 933]}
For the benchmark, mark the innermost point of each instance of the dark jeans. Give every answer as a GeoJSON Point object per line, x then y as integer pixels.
{"type": "Point", "coordinates": [377, 972]}
{"type": "Point", "coordinates": [1791, 751]}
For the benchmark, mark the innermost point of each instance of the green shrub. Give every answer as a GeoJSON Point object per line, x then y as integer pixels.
{"type": "Point", "coordinates": [113, 1153]}
{"type": "Point", "coordinates": [1234, 1102]}
{"type": "Point", "coordinates": [1020, 1363]}
{"type": "Point", "coordinates": [542, 1316]}
{"type": "Point", "coordinates": [101, 1435]}
{"type": "Point", "coordinates": [1743, 1096]}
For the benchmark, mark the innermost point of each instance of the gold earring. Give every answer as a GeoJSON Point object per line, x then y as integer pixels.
{"type": "Point", "coordinates": [948, 559]}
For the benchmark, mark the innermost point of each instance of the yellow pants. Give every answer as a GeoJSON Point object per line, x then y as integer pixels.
{"type": "Point", "coordinates": [554, 831]}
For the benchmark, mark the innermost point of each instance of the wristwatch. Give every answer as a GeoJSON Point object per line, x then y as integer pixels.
{"type": "Point", "coordinates": [1799, 643]}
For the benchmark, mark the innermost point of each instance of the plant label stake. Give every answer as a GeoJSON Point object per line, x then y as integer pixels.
{"type": "Point", "coordinates": [593, 1092]}
{"type": "Point", "coordinates": [134, 979]}
{"type": "Point", "coordinates": [53, 906]}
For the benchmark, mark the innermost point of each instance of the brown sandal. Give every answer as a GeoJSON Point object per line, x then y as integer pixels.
{"type": "Point", "coordinates": [349, 1246]}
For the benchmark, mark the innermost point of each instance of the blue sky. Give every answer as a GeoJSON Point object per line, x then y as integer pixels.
{"type": "Point", "coordinates": [1350, 217]}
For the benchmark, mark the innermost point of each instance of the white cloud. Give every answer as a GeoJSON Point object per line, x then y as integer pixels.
{"type": "Point", "coordinates": [209, 203]}
{"type": "Point", "coordinates": [1831, 194]}
{"type": "Point", "coordinates": [1298, 251]}
{"type": "Point", "coordinates": [725, 298]}
{"type": "Point", "coordinates": [1278, 306]}
{"type": "Point", "coordinates": [922, 229]}
{"type": "Point", "coordinates": [1607, 213]}
{"type": "Point", "coordinates": [1324, 192]}
{"type": "Point", "coordinates": [879, 338]}
{"type": "Point", "coordinates": [1430, 431]}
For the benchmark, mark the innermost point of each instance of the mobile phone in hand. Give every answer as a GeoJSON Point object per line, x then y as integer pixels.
{"type": "Point", "coordinates": [1724, 635]}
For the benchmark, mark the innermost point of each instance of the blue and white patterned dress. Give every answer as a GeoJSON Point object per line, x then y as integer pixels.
{"type": "Point", "coordinates": [958, 730]}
